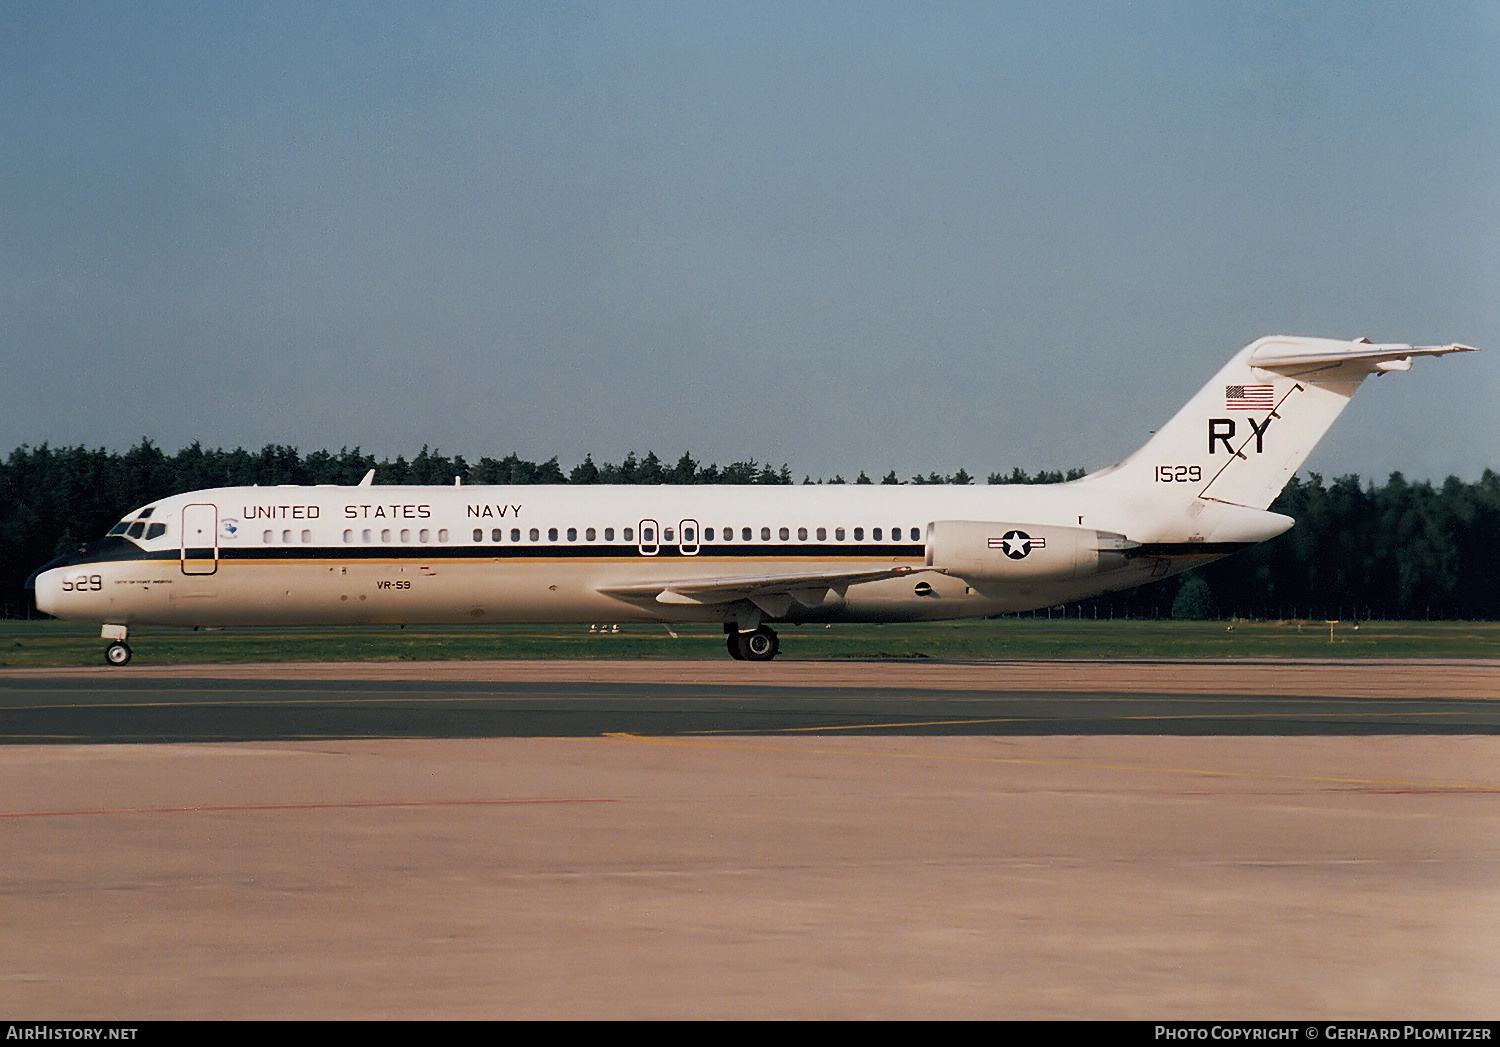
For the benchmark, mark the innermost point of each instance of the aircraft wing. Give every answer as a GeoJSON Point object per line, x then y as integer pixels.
{"type": "Point", "coordinates": [772, 593]}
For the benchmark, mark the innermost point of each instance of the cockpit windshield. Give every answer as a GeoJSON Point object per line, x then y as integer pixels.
{"type": "Point", "coordinates": [135, 525]}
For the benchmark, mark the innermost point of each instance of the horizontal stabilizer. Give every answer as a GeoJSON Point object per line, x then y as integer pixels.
{"type": "Point", "coordinates": [1297, 355]}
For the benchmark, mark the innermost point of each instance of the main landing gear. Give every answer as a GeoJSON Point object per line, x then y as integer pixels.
{"type": "Point", "coordinates": [759, 646]}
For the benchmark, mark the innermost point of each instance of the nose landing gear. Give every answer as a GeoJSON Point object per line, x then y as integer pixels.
{"type": "Point", "coordinates": [118, 651]}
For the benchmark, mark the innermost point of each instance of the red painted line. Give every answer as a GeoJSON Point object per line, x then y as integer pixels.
{"type": "Point", "coordinates": [350, 805]}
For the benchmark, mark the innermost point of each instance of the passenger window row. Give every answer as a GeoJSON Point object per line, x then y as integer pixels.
{"type": "Point", "coordinates": [287, 537]}
{"type": "Point", "coordinates": [389, 535]}
{"type": "Point", "coordinates": [590, 534]}
{"type": "Point", "coordinates": [689, 535]}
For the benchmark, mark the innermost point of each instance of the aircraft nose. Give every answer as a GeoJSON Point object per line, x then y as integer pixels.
{"type": "Point", "coordinates": [48, 585]}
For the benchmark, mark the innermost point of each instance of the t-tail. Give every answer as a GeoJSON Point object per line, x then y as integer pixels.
{"type": "Point", "coordinates": [1236, 443]}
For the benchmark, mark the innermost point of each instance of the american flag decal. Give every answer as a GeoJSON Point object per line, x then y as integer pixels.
{"type": "Point", "coordinates": [1249, 397]}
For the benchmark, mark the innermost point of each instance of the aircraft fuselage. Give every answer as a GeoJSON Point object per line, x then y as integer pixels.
{"type": "Point", "coordinates": [745, 556]}
{"type": "Point", "coordinates": [394, 555]}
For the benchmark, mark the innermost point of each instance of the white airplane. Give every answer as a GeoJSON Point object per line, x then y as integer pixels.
{"type": "Point", "coordinates": [746, 556]}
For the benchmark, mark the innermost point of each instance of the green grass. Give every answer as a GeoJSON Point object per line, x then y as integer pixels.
{"type": "Point", "coordinates": [65, 644]}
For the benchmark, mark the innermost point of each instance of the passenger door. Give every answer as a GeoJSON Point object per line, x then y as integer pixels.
{"type": "Point", "coordinates": [200, 539]}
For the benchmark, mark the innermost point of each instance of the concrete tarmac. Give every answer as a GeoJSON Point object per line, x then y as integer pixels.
{"type": "Point", "coordinates": [718, 840]}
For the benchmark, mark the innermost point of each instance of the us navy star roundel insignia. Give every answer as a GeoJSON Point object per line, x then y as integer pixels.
{"type": "Point", "coordinates": [1017, 544]}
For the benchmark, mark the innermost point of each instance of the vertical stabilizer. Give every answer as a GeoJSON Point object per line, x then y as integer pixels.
{"type": "Point", "coordinates": [1240, 439]}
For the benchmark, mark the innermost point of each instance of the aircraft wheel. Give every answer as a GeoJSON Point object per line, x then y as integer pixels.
{"type": "Point", "coordinates": [732, 641]}
{"type": "Point", "coordinates": [759, 646]}
{"type": "Point", "coordinates": [117, 654]}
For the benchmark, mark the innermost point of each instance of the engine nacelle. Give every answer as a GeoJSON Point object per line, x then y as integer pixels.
{"type": "Point", "coordinates": [986, 551]}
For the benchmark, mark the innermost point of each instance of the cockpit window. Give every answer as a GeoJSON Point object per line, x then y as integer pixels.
{"type": "Point", "coordinates": [134, 525]}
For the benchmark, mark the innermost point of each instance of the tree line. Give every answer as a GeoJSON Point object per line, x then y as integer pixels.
{"type": "Point", "coordinates": [1400, 549]}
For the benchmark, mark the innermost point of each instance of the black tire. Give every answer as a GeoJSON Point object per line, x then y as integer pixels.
{"type": "Point", "coordinates": [732, 641]}
{"type": "Point", "coordinates": [117, 654]}
{"type": "Point", "coordinates": [760, 646]}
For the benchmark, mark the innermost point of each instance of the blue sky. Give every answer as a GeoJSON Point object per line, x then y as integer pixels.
{"type": "Point", "coordinates": [910, 236]}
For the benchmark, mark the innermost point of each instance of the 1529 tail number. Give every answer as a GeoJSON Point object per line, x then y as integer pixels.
{"type": "Point", "coordinates": [1179, 474]}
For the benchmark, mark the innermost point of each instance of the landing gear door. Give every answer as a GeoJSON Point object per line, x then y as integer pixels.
{"type": "Point", "coordinates": [200, 539]}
